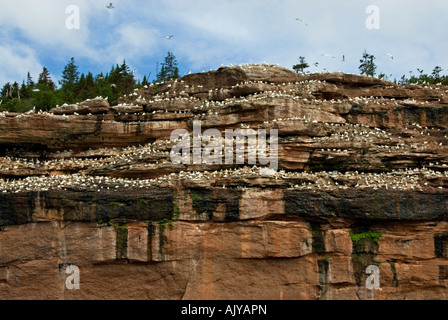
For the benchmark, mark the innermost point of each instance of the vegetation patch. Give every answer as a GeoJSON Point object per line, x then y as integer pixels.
{"type": "Point", "coordinates": [142, 202]}
{"type": "Point", "coordinates": [195, 197]}
{"type": "Point", "coordinates": [326, 258]}
{"type": "Point", "coordinates": [374, 236]}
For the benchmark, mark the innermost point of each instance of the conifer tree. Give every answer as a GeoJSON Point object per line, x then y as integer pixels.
{"type": "Point", "coordinates": [302, 65]}
{"type": "Point", "coordinates": [45, 81]}
{"type": "Point", "coordinates": [367, 66]}
{"type": "Point", "coordinates": [29, 81]}
{"type": "Point", "coordinates": [69, 80]}
{"type": "Point", "coordinates": [169, 69]}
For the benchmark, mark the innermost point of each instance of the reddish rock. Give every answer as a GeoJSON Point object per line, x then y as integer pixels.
{"type": "Point", "coordinates": [361, 182]}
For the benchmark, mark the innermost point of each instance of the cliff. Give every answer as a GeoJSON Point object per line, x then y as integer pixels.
{"type": "Point", "coordinates": [361, 181]}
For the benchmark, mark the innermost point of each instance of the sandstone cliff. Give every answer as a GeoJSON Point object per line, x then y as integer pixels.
{"type": "Point", "coordinates": [362, 181]}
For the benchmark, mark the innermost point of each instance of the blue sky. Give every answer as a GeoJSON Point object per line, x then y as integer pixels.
{"type": "Point", "coordinates": [211, 33]}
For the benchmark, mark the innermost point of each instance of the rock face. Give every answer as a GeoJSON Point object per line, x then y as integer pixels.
{"type": "Point", "coordinates": [90, 190]}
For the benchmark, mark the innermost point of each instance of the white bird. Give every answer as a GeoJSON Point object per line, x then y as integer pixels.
{"type": "Point", "coordinates": [301, 20]}
{"type": "Point", "coordinates": [328, 55]}
{"type": "Point", "coordinates": [390, 55]}
{"type": "Point", "coordinates": [169, 37]}
{"type": "Point", "coordinates": [110, 6]}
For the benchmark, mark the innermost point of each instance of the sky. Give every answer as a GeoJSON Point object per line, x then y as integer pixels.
{"type": "Point", "coordinates": [210, 33]}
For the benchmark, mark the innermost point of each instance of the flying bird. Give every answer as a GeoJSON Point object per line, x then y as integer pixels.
{"type": "Point", "coordinates": [301, 20]}
{"type": "Point", "coordinates": [110, 6]}
{"type": "Point", "coordinates": [343, 58]}
{"type": "Point", "coordinates": [169, 37]}
{"type": "Point", "coordinates": [328, 55]}
{"type": "Point", "coordinates": [316, 63]}
{"type": "Point", "coordinates": [390, 55]}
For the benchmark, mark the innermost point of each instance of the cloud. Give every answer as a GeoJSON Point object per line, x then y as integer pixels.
{"type": "Point", "coordinates": [210, 33]}
{"type": "Point", "coordinates": [16, 61]}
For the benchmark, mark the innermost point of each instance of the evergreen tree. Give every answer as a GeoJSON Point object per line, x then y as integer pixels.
{"type": "Point", "coordinates": [45, 80]}
{"type": "Point", "coordinates": [29, 81]}
{"type": "Point", "coordinates": [302, 65]}
{"type": "Point", "coordinates": [126, 81]}
{"type": "Point", "coordinates": [69, 80]}
{"type": "Point", "coordinates": [435, 75]}
{"type": "Point", "coordinates": [26, 90]}
{"type": "Point", "coordinates": [145, 81]}
{"type": "Point", "coordinates": [169, 69]}
{"type": "Point", "coordinates": [90, 86]}
{"type": "Point", "coordinates": [81, 88]}
{"type": "Point", "coordinates": [367, 66]}
{"type": "Point", "coordinates": [5, 92]}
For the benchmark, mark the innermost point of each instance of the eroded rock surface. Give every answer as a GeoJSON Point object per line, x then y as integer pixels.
{"type": "Point", "coordinates": [362, 180]}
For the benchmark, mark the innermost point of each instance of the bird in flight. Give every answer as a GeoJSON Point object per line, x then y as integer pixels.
{"type": "Point", "coordinates": [327, 55]}
{"type": "Point", "coordinates": [390, 55]}
{"type": "Point", "coordinates": [343, 58]}
{"type": "Point", "coordinates": [169, 37]}
{"type": "Point", "coordinates": [110, 6]}
{"type": "Point", "coordinates": [316, 63]}
{"type": "Point", "coordinates": [301, 20]}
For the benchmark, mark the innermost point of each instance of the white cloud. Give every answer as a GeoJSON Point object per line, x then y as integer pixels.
{"type": "Point", "coordinates": [208, 33]}
{"type": "Point", "coordinates": [16, 61]}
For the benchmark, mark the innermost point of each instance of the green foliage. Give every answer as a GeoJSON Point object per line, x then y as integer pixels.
{"type": "Point", "coordinates": [46, 98]}
{"type": "Point", "coordinates": [164, 222]}
{"type": "Point", "coordinates": [302, 65]}
{"type": "Point", "coordinates": [176, 211]}
{"type": "Point", "coordinates": [69, 80]}
{"type": "Point", "coordinates": [117, 226]}
{"type": "Point", "coordinates": [16, 105]}
{"type": "Point", "coordinates": [326, 258]}
{"type": "Point", "coordinates": [365, 235]}
{"type": "Point", "coordinates": [195, 197]}
{"type": "Point", "coordinates": [367, 66]}
{"type": "Point", "coordinates": [45, 80]}
{"type": "Point", "coordinates": [169, 68]}
{"type": "Point", "coordinates": [142, 202]}
{"type": "Point", "coordinates": [434, 78]}
{"type": "Point", "coordinates": [113, 203]}
{"type": "Point", "coordinates": [74, 87]}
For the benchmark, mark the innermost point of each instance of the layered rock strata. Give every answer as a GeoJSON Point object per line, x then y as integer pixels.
{"type": "Point", "coordinates": [362, 181]}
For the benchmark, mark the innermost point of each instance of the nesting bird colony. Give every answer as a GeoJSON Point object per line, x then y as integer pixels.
{"type": "Point", "coordinates": [335, 131]}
